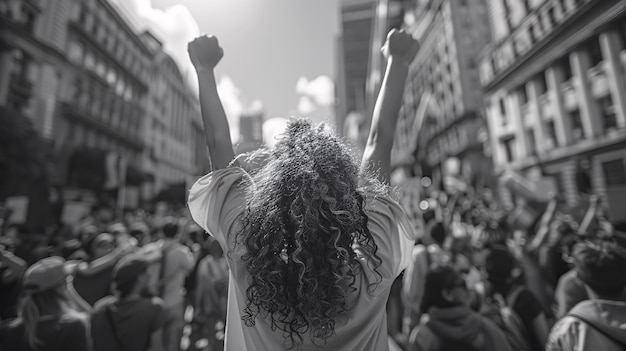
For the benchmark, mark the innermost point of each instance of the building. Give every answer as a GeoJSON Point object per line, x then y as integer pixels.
{"type": "Point", "coordinates": [82, 75]}
{"type": "Point", "coordinates": [171, 154]}
{"type": "Point", "coordinates": [250, 131]}
{"type": "Point", "coordinates": [441, 114]}
{"type": "Point", "coordinates": [554, 84]}
{"type": "Point", "coordinates": [353, 50]}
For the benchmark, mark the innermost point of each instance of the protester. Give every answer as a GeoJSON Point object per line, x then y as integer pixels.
{"type": "Point", "coordinates": [52, 316]}
{"type": "Point", "coordinates": [167, 278]}
{"type": "Point", "coordinates": [312, 243]}
{"type": "Point", "coordinates": [598, 323]}
{"type": "Point", "coordinates": [506, 284]}
{"type": "Point", "coordinates": [128, 320]}
{"type": "Point", "coordinates": [450, 324]}
{"type": "Point", "coordinates": [93, 278]}
{"type": "Point", "coordinates": [425, 255]}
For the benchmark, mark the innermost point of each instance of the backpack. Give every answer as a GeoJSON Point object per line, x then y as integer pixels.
{"type": "Point", "coordinates": [498, 311]}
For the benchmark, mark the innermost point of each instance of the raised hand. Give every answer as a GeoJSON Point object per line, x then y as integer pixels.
{"type": "Point", "coordinates": [400, 44]}
{"type": "Point", "coordinates": [205, 52]}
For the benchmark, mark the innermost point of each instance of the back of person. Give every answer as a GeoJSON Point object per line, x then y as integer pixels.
{"type": "Point", "coordinates": [125, 325]}
{"type": "Point", "coordinates": [55, 333]}
{"type": "Point", "coordinates": [128, 321]}
{"type": "Point", "coordinates": [591, 325]}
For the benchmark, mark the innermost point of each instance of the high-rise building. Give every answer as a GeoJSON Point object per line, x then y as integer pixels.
{"type": "Point", "coordinates": [353, 48]}
{"type": "Point", "coordinates": [441, 115]}
{"type": "Point", "coordinates": [554, 83]}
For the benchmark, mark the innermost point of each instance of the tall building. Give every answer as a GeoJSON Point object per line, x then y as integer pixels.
{"type": "Point", "coordinates": [84, 77]}
{"type": "Point", "coordinates": [554, 84]}
{"type": "Point", "coordinates": [353, 48]}
{"type": "Point", "coordinates": [441, 114]}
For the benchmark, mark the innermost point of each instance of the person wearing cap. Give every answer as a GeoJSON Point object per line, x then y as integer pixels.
{"type": "Point", "coordinates": [52, 316]}
{"type": "Point", "coordinates": [128, 320]}
{"type": "Point", "coordinates": [600, 322]}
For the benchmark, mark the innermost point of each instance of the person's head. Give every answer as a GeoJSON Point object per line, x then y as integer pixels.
{"type": "Point", "coordinates": [140, 231]}
{"type": "Point", "coordinates": [304, 217]}
{"type": "Point", "coordinates": [601, 265]}
{"type": "Point", "coordinates": [45, 293]}
{"type": "Point", "coordinates": [444, 287]}
{"type": "Point", "coordinates": [438, 233]}
{"type": "Point", "coordinates": [499, 267]}
{"type": "Point", "coordinates": [129, 275]}
{"type": "Point", "coordinates": [170, 228]}
{"type": "Point", "coordinates": [101, 245]}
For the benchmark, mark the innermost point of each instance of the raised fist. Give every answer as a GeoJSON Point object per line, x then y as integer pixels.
{"type": "Point", "coordinates": [400, 44]}
{"type": "Point", "coordinates": [205, 52]}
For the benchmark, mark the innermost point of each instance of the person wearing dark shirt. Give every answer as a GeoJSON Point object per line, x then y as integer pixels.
{"type": "Point", "coordinates": [51, 315]}
{"type": "Point", "coordinates": [499, 266]}
{"type": "Point", "coordinates": [128, 320]}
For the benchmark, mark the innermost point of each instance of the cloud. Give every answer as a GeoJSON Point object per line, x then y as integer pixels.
{"type": "Point", "coordinates": [321, 90]}
{"type": "Point", "coordinates": [306, 105]}
{"type": "Point", "coordinates": [272, 128]}
{"type": "Point", "coordinates": [174, 27]}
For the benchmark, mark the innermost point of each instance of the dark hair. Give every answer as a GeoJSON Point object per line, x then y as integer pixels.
{"type": "Point", "coordinates": [601, 265]}
{"type": "Point", "coordinates": [499, 264]}
{"type": "Point", "coordinates": [170, 228]}
{"type": "Point", "coordinates": [438, 233]}
{"type": "Point", "coordinates": [438, 279]}
{"type": "Point", "coordinates": [304, 218]}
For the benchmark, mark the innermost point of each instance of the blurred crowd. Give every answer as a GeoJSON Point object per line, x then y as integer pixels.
{"type": "Point", "coordinates": [478, 280]}
{"type": "Point", "coordinates": [150, 281]}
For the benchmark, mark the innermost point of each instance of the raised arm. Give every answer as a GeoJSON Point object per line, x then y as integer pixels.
{"type": "Point", "coordinates": [399, 50]}
{"type": "Point", "coordinates": [205, 52]}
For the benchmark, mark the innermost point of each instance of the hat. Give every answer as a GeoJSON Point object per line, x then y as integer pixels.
{"type": "Point", "coordinates": [129, 269]}
{"type": "Point", "coordinates": [45, 274]}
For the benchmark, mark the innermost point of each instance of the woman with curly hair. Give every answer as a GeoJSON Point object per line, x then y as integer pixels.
{"type": "Point", "coordinates": [313, 239]}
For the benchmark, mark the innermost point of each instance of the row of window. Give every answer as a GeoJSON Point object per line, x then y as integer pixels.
{"type": "Point", "coordinates": [117, 80]}
{"type": "Point", "coordinates": [80, 134]}
{"type": "Point", "coordinates": [111, 37]}
{"type": "Point", "coordinates": [99, 102]}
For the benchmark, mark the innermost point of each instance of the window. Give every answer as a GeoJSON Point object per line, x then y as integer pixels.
{"type": "Point", "coordinates": [523, 95]}
{"type": "Point", "coordinates": [607, 111]}
{"type": "Point", "coordinates": [508, 148]}
{"type": "Point", "coordinates": [566, 67]}
{"type": "Point", "coordinates": [75, 53]}
{"type": "Point", "coordinates": [551, 131]}
{"type": "Point", "coordinates": [577, 125]}
{"type": "Point", "coordinates": [542, 85]}
{"type": "Point", "coordinates": [90, 61]}
{"type": "Point", "coordinates": [502, 110]}
{"type": "Point", "coordinates": [595, 52]}
{"type": "Point", "coordinates": [532, 142]}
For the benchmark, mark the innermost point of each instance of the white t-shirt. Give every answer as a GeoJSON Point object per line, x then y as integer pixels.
{"type": "Point", "coordinates": [217, 202]}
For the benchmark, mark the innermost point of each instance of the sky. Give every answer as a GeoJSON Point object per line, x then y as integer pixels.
{"type": "Point", "coordinates": [279, 55]}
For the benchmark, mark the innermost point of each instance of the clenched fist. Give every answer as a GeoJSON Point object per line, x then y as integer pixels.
{"type": "Point", "coordinates": [205, 52]}
{"type": "Point", "coordinates": [400, 44]}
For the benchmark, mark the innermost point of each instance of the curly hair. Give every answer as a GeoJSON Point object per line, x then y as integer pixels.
{"type": "Point", "coordinates": [303, 231]}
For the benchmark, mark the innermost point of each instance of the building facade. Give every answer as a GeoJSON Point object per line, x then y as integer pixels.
{"type": "Point", "coordinates": [554, 83]}
{"type": "Point", "coordinates": [84, 77]}
{"type": "Point", "coordinates": [441, 114]}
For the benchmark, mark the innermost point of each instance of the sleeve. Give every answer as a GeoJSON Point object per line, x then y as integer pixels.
{"type": "Point", "coordinates": [217, 200]}
{"type": "Point", "coordinates": [393, 234]}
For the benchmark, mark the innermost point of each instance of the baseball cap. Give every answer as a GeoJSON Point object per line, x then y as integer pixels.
{"type": "Point", "coordinates": [129, 268]}
{"type": "Point", "coordinates": [45, 274]}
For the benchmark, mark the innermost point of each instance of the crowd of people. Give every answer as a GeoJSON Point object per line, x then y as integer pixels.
{"type": "Point", "coordinates": [144, 283]}
{"type": "Point", "coordinates": [310, 250]}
